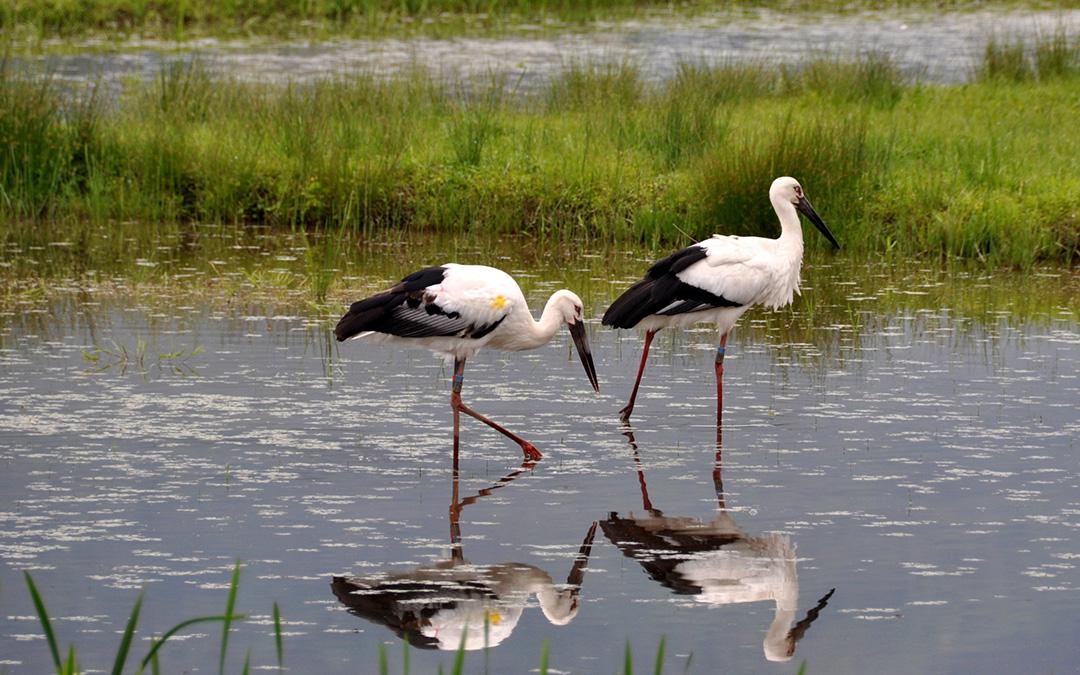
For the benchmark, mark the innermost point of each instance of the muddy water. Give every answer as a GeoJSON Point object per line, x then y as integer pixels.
{"type": "Point", "coordinates": [914, 447]}
{"type": "Point", "coordinates": [938, 47]}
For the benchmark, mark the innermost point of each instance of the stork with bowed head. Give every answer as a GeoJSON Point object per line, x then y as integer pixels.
{"type": "Point", "coordinates": [457, 309]}
{"type": "Point", "coordinates": [718, 279]}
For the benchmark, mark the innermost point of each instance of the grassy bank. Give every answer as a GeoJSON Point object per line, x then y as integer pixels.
{"type": "Point", "coordinates": [181, 19]}
{"type": "Point", "coordinates": [985, 171]}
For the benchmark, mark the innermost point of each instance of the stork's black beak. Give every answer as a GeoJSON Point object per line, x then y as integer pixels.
{"type": "Point", "coordinates": [577, 331]}
{"type": "Point", "coordinates": [804, 207]}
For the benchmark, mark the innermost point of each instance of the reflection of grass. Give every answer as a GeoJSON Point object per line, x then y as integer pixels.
{"type": "Point", "coordinates": [139, 358]}
{"type": "Point", "coordinates": [69, 664]}
{"type": "Point", "coordinates": [600, 156]}
{"type": "Point", "coordinates": [848, 291]}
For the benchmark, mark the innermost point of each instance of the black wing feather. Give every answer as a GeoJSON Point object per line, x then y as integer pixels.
{"type": "Point", "coordinates": [405, 311]}
{"type": "Point", "coordinates": [661, 553]}
{"type": "Point", "coordinates": [660, 289]}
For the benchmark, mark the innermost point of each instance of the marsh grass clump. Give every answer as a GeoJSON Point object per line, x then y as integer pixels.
{"type": "Point", "coordinates": [1056, 55]}
{"type": "Point", "coordinates": [1051, 56]}
{"type": "Point", "coordinates": [726, 82]}
{"type": "Point", "coordinates": [872, 78]}
{"type": "Point", "coordinates": [45, 141]}
{"type": "Point", "coordinates": [1004, 61]}
{"type": "Point", "coordinates": [583, 86]}
{"type": "Point", "coordinates": [836, 158]}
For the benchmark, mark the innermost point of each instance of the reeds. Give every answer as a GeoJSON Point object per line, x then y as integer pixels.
{"type": "Point", "coordinates": [1051, 56]}
{"type": "Point", "coordinates": [70, 665]}
{"type": "Point", "coordinates": [599, 155]}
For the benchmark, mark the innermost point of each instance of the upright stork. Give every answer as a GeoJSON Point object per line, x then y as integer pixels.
{"type": "Point", "coordinates": [718, 279]}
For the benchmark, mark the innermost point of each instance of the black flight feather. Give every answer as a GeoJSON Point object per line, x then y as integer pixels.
{"type": "Point", "coordinates": [662, 292]}
{"type": "Point", "coordinates": [406, 311]}
{"type": "Point", "coordinates": [405, 606]}
{"type": "Point", "coordinates": [661, 552]}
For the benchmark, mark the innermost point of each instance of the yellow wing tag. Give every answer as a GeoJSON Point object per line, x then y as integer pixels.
{"type": "Point", "coordinates": [498, 302]}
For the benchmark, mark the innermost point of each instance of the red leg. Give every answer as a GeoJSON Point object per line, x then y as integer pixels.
{"type": "Point", "coordinates": [624, 414]}
{"type": "Point", "coordinates": [531, 453]}
{"type": "Point", "coordinates": [720, 384]}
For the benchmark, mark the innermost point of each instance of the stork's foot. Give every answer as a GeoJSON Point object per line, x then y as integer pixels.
{"type": "Point", "coordinates": [624, 414]}
{"type": "Point", "coordinates": [531, 453]}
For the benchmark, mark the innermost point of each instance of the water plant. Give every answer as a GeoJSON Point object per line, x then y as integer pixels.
{"type": "Point", "coordinates": [70, 665]}
{"type": "Point", "coordinates": [139, 358]}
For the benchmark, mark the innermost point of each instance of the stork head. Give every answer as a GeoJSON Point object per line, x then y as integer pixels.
{"type": "Point", "coordinates": [787, 189]}
{"type": "Point", "coordinates": [571, 309]}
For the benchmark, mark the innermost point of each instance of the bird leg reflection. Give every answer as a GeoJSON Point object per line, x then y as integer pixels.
{"type": "Point", "coordinates": [624, 414]}
{"type": "Point", "coordinates": [646, 503]}
{"type": "Point", "coordinates": [457, 504]}
{"type": "Point", "coordinates": [531, 453]}
{"type": "Point", "coordinates": [718, 467]}
{"type": "Point", "coordinates": [715, 561]}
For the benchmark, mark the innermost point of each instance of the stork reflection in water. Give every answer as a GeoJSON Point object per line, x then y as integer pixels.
{"type": "Point", "coordinates": [453, 602]}
{"type": "Point", "coordinates": [715, 561]}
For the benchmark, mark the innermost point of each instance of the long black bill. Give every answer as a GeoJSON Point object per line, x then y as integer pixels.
{"type": "Point", "coordinates": [577, 331]}
{"type": "Point", "coordinates": [804, 207]}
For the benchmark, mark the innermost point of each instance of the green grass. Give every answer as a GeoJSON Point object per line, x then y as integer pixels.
{"type": "Point", "coordinates": [983, 171]}
{"type": "Point", "coordinates": [39, 20]}
{"type": "Point", "coordinates": [71, 665]}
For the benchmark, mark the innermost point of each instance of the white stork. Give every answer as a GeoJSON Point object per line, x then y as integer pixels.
{"type": "Point", "coordinates": [718, 279]}
{"type": "Point", "coordinates": [457, 309]}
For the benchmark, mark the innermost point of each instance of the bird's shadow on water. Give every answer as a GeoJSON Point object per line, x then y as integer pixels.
{"type": "Point", "coordinates": [453, 603]}
{"type": "Point", "coordinates": [715, 561]}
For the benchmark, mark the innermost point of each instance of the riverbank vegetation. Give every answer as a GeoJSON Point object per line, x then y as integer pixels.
{"type": "Point", "coordinates": [44, 20]}
{"type": "Point", "coordinates": [983, 171]}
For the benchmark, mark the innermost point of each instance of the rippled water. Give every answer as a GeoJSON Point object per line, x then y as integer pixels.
{"type": "Point", "coordinates": [941, 47]}
{"type": "Point", "coordinates": [920, 462]}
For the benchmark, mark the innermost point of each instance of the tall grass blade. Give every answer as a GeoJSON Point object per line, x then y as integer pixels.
{"type": "Point", "coordinates": [405, 655]}
{"type": "Point", "coordinates": [229, 605]}
{"type": "Point", "coordinates": [659, 669]}
{"type": "Point", "coordinates": [43, 618]}
{"type": "Point", "coordinates": [125, 641]}
{"type": "Point", "coordinates": [459, 658]}
{"type": "Point", "coordinates": [71, 666]}
{"type": "Point", "coordinates": [384, 665]}
{"type": "Point", "coordinates": [278, 645]}
{"type": "Point", "coordinates": [247, 663]}
{"type": "Point", "coordinates": [152, 655]}
{"type": "Point", "coordinates": [802, 668]}
{"type": "Point", "coordinates": [544, 649]}
{"type": "Point", "coordinates": [628, 662]}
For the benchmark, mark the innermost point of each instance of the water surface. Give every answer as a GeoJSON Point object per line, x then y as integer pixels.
{"type": "Point", "coordinates": [931, 46]}
{"type": "Point", "coordinates": [907, 438]}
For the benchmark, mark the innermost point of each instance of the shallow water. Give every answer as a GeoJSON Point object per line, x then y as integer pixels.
{"type": "Point", "coordinates": [936, 47]}
{"type": "Point", "coordinates": [920, 460]}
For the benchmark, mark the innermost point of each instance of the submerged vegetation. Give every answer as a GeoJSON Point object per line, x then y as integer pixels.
{"type": "Point", "coordinates": [980, 171]}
